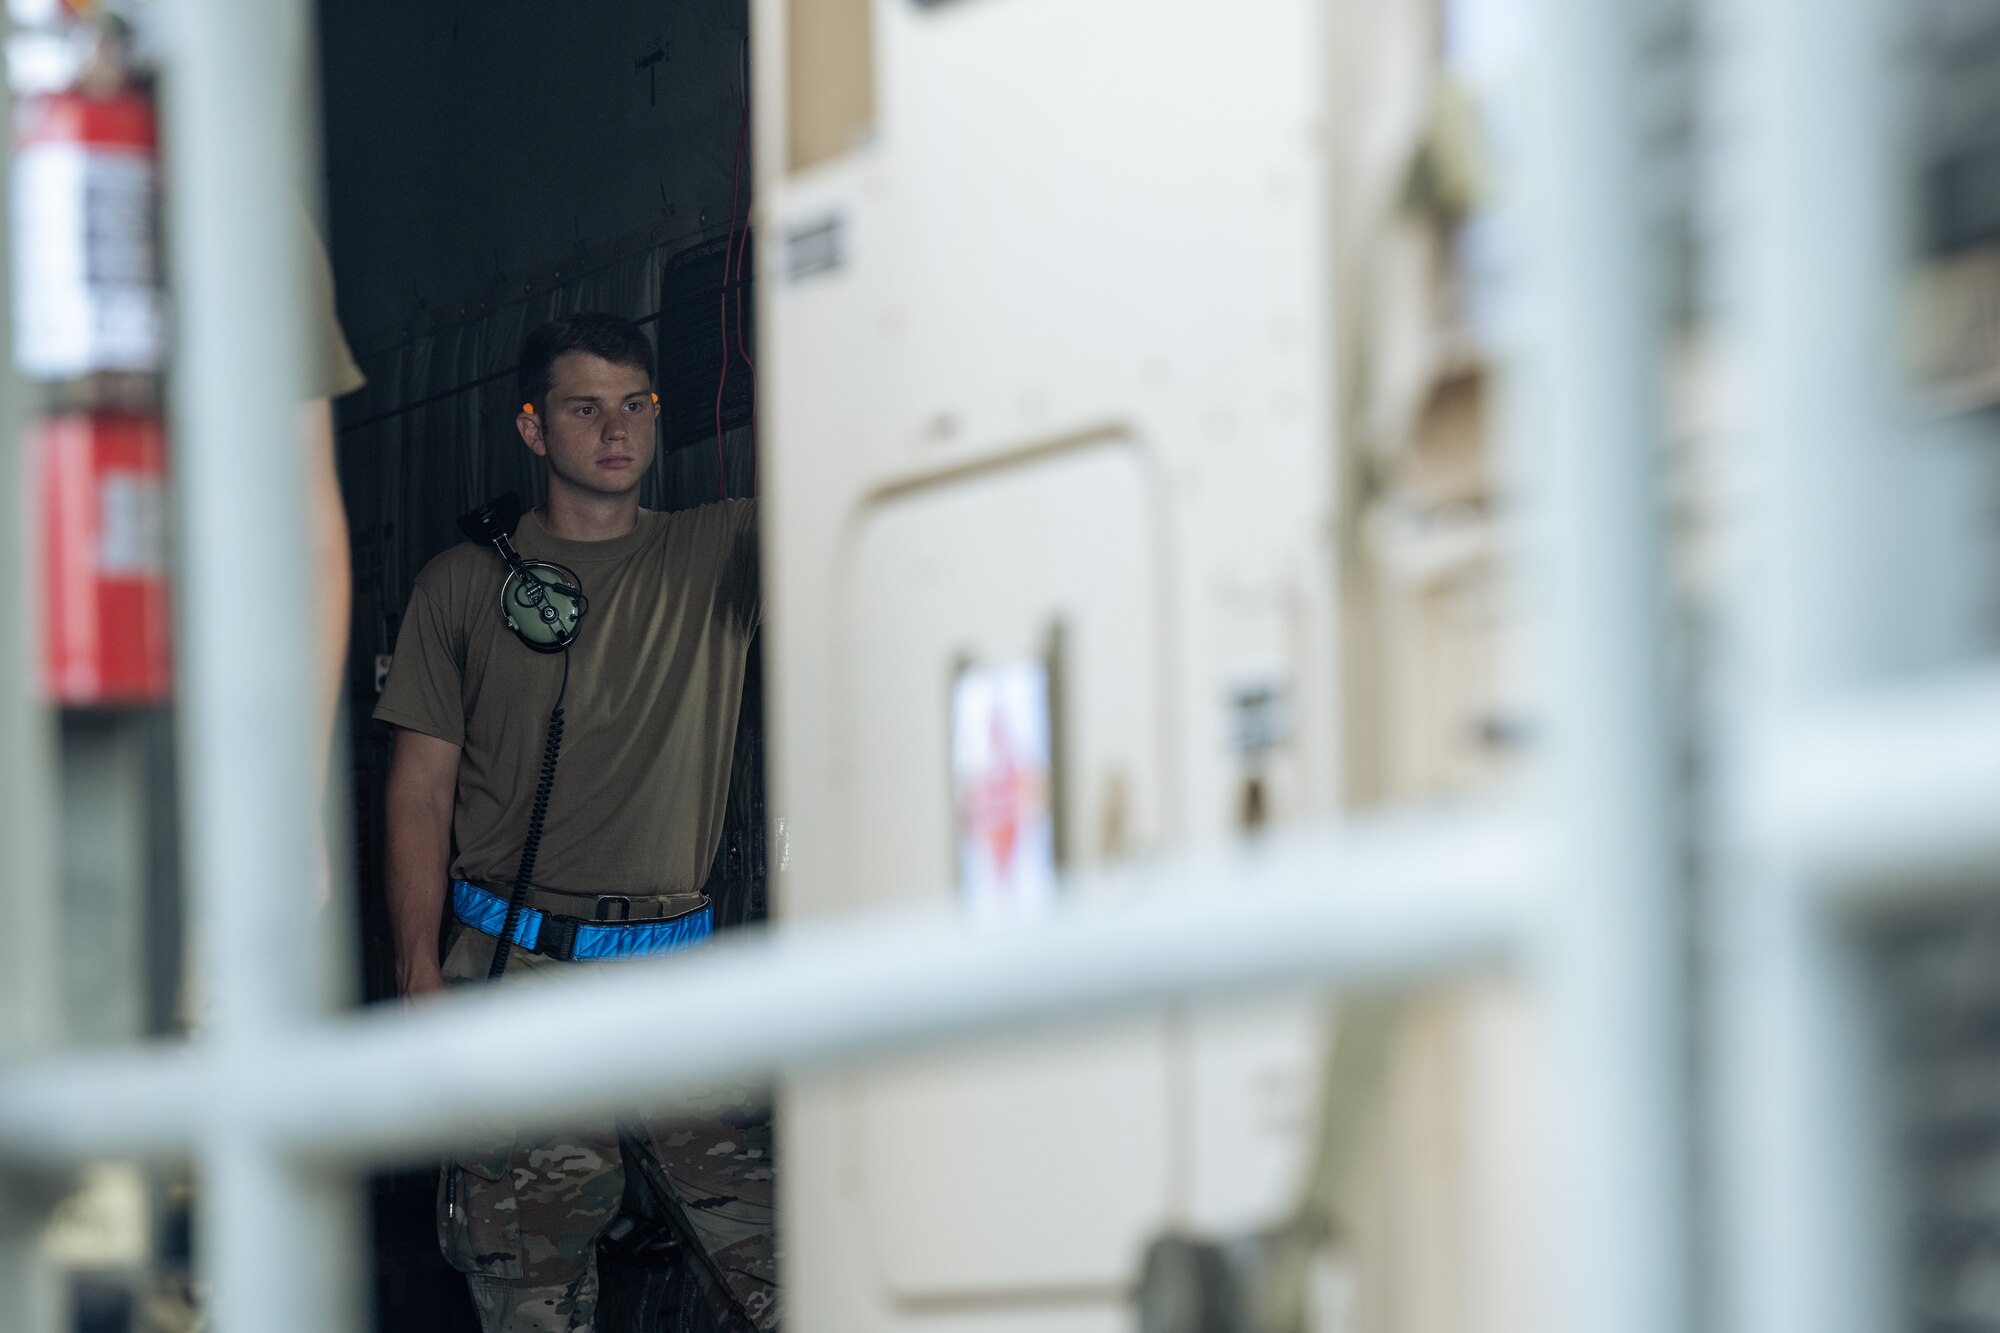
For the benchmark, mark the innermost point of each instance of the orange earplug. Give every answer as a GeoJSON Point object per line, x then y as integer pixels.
{"type": "Point", "coordinates": [529, 408]}
{"type": "Point", "coordinates": [656, 400]}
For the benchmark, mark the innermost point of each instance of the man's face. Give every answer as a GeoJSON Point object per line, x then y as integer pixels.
{"type": "Point", "coordinates": [595, 428]}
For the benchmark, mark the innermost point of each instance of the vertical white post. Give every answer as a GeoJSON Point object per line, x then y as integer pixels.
{"type": "Point", "coordinates": [1816, 292]}
{"type": "Point", "coordinates": [29, 982]}
{"type": "Point", "coordinates": [1589, 461]}
{"type": "Point", "coordinates": [271, 1236]}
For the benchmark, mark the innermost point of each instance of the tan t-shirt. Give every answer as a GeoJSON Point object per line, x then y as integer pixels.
{"type": "Point", "coordinates": [655, 682]}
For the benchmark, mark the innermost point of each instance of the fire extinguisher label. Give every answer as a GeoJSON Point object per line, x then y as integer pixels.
{"type": "Point", "coordinates": [131, 526]}
{"type": "Point", "coordinates": [86, 271]}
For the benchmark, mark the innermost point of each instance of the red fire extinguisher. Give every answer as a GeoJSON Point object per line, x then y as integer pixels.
{"type": "Point", "coordinates": [105, 610]}
{"type": "Point", "coordinates": [89, 328]}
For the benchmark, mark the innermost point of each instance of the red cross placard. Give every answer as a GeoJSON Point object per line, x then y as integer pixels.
{"type": "Point", "coordinates": [1000, 778]}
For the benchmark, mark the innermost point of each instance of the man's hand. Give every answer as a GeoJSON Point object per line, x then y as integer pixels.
{"type": "Point", "coordinates": [418, 976]}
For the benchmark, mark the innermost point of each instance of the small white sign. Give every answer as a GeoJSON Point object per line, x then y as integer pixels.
{"type": "Point", "coordinates": [1000, 763]}
{"type": "Point", "coordinates": [87, 295]}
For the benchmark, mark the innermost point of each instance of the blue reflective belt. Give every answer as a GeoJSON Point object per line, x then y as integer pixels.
{"type": "Point", "coordinates": [487, 912]}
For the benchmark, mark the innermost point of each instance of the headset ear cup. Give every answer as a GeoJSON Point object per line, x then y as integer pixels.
{"type": "Point", "coordinates": [543, 604]}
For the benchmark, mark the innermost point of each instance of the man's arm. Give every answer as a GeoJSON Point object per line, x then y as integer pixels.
{"type": "Point", "coordinates": [335, 575]}
{"type": "Point", "coordinates": [423, 779]}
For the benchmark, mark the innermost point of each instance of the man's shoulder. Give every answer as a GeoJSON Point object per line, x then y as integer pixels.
{"type": "Point", "coordinates": [452, 574]}
{"type": "Point", "coordinates": [718, 519]}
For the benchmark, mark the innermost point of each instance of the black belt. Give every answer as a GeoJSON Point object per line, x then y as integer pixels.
{"type": "Point", "coordinates": [564, 938]}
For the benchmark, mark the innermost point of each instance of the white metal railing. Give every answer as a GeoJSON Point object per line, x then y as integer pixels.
{"type": "Point", "coordinates": [246, 666]}
{"type": "Point", "coordinates": [1814, 287]}
{"type": "Point", "coordinates": [1390, 905]}
{"type": "Point", "coordinates": [28, 985]}
{"type": "Point", "coordinates": [1578, 892]}
{"type": "Point", "coordinates": [1886, 793]}
{"type": "Point", "coordinates": [1588, 467]}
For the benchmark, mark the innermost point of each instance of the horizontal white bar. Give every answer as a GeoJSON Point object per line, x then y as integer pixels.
{"type": "Point", "coordinates": [1889, 791]}
{"type": "Point", "coordinates": [1402, 900]}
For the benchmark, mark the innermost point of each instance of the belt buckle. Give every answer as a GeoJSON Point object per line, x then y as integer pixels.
{"type": "Point", "coordinates": [604, 905]}
{"type": "Point", "coordinates": [556, 937]}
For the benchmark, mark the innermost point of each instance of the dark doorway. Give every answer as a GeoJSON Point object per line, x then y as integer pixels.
{"type": "Point", "coordinates": [490, 165]}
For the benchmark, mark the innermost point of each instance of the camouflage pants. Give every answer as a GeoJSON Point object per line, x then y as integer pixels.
{"type": "Point", "coordinates": [521, 1217]}
{"type": "Point", "coordinates": [522, 1222]}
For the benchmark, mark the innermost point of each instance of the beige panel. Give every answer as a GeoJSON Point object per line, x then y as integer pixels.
{"type": "Point", "coordinates": [1252, 1108]}
{"type": "Point", "coordinates": [1442, 1227]}
{"type": "Point", "coordinates": [830, 100]}
{"type": "Point", "coordinates": [1069, 1173]}
{"type": "Point", "coordinates": [1048, 238]}
{"type": "Point", "coordinates": [981, 568]}
{"type": "Point", "coordinates": [1067, 1182]}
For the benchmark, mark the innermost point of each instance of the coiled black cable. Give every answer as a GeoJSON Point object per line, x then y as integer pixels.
{"type": "Point", "coordinates": [532, 844]}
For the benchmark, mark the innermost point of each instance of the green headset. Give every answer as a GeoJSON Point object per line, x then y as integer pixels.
{"type": "Point", "coordinates": [542, 602]}
{"type": "Point", "coordinates": [544, 605]}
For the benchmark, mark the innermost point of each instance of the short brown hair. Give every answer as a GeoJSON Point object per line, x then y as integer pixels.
{"type": "Point", "coordinates": [619, 341]}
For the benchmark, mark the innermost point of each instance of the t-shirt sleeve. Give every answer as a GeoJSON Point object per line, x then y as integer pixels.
{"type": "Point", "coordinates": [332, 370]}
{"type": "Point", "coordinates": [423, 691]}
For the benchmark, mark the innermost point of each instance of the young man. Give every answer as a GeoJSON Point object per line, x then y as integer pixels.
{"type": "Point", "coordinates": [650, 692]}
